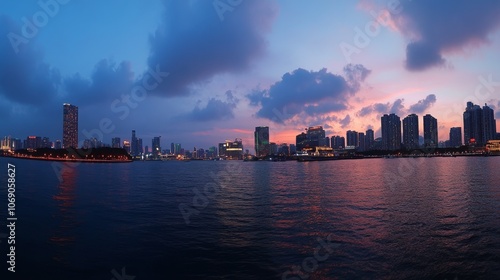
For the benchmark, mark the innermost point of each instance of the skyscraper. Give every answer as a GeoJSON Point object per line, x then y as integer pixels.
{"type": "Point", "coordinates": [301, 141]}
{"type": "Point", "coordinates": [262, 145]}
{"type": "Point", "coordinates": [489, 124]}
{"type": "Point", "coordinates": [430, 131]}
{"type": "Point", "coordinates": [316, 136]}
{"type": "Point", "coordinates": [133, 145]}
{"type": "Point", "coordinates": [361, 142]}
{"type": "Point", "coordinates": [369, 139]}
{"type": "Point", "coordinates": [352, 138]}
{"type": "Point", "coordinates": [455, 137]}
{"type": "Point", "coordinates": [473, 125]}
{"type": "Point", "coordinates": [391, 132]}
{"type": "Point", "coordinates": [70, 126]}
{"type": "Point", "coordinates": [410, 132]}
{"type": "Point", "coordinates": [155, 146]}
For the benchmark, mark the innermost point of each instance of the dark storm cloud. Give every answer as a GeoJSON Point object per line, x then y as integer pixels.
{"type": "Point", "coordinates": [423, 104]}
{"type": "Point", "coordinates": [307, 91]}
{"type": "Point", "coordinates": [215, 110]}
{"type": "Point", "coordinates": [437, 27]}
{"type": "Point", "coordinates": [108, 80]}
{"type": "Point", "coordinates": [194, 44]}
{"type": "Point", "coordinates": [24, 77]}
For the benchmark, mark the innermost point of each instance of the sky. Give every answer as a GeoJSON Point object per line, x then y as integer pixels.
{"type": "Point", "coordinates": [198, 72]}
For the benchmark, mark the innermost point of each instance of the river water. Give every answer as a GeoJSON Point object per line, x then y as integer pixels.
{"type": "Point", "coordinates": [416, 218]}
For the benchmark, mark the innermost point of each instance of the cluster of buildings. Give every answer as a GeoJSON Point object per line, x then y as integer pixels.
{"type": "Point", "coordinates": [479, 128]}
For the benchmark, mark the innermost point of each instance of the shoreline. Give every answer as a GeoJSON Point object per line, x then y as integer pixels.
{"type": "Point", "coordinates": [71, 160]}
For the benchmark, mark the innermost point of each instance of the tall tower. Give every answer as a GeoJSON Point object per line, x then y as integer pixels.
{"type": "Point", "coordinates": [133, 144]}
{"type": "Point", "coordinates": [70, 126]}
{"type": "Point", "coordinates": [369, 139]}
{"type": "Point", "coordinates": [473, 128]}
{"type": "Point", "coordinates": [410, 132]}
{"type": "Point", "coordinates": [262, 145]}
{"type": "Point", "coordinates": [430, 131]}
{"type": "Point", "coordinates": [489, 124]}
{"type": "Point", "coordinates": [391, 132]}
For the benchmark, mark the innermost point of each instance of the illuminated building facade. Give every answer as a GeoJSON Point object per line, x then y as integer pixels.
{"type": "Point", "coordinates": [262, 145]}
{"type": "Point", "coordinates": [70, 126]}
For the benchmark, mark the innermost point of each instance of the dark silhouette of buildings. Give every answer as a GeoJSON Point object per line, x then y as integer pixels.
{"type": "Point", "coordinates": [479, 125]}
{"type": "Point", "coordinates": [338, 142]}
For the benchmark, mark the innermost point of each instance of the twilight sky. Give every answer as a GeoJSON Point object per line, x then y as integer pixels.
{"type": "Point", "coordinates": [198, 72]}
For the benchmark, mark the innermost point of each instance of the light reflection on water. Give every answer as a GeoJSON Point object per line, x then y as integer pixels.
{"type": "Point", "coordinates": [441, 220]}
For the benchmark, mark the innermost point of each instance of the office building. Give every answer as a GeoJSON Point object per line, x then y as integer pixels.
{"type": "Point", "coordinates": [262, 145]}
{"type": "Point", "coordinates": [316, 136]}
{"type": "Point", "coordinates": [391, 132]}
{"type": "Point", "coordinates": [455, 137]}
{"type": "Point", "coordinates": [126, 146]}
{"type": "Point", "coordinates": [231, 149]}
{"type": "Point", "coordinates": [155, 146]}
{"type": "Point", "coordinates": [70, 126]}
{"type": "Point", "coordinates": [133, 145]}
{"type": "Point", "coordinates": [33, 142]}
{"type": "Point", "coordinates": [410, 132]}
{"type": "Point", "coordinates": [301, 141]}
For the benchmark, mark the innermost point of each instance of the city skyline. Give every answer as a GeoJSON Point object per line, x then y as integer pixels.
{"type": "Point", "coordinates": [478, 126]}
{"type": "Point", "coordinates": [223, 74]}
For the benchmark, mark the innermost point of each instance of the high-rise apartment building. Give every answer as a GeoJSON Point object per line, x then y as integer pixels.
{"type": "Point", "coordinates": [479, 125]}
{"type": "Point", "coordinates": [430, 131]}
{"type": "Point", "coordinates": [70, 126]}
{"type": "Point", "coordinates": [369, 139]}
{"type": "Point", "coordinates": [489, 124]}
{"type": "Point", "coordinates": [455, 137]}
{"type": "Point", "coordinates": [352, 138]}
{"type": "Point", "coordinates": [391, 132]}
{"type": "Point", "coordinates": [410, 132]}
